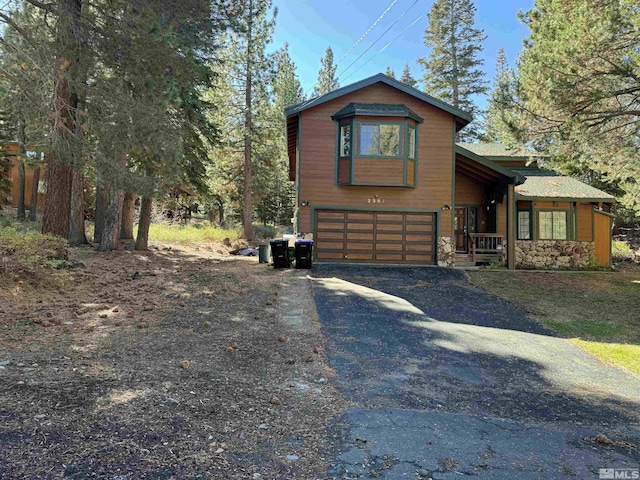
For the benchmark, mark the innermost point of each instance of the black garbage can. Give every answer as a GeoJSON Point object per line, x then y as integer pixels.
{"type": "Point", "coordinates": [304, 253]}
{"type": "Point", "coordinates": [280, 253]}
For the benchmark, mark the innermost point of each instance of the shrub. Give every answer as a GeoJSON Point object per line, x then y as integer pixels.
{"type": "Point", "coordinates": [621, 251]}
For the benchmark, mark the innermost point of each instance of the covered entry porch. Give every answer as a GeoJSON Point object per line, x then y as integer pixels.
{"type": "Point", "coordinates": [481, 221]}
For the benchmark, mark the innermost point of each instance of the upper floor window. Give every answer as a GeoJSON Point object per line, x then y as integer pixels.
{"type": "Point", "coordinates": [412, 143]}
{"type": "Point", "coordinates": [379, 140]}
{"type": "Point", "coordinates": [345, 140]}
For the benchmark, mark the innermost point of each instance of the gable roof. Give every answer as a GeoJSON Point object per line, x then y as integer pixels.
{"type": "Point", "coordinates": [462, 118]}
{"type": "Point", "coordinates": [378, 110]}
{"type": "Point", "coordinates": [517, 178]}
{"type": "Point", "coordinates": [551, 185]}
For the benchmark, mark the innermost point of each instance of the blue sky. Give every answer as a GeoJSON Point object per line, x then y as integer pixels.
{"type": "Point", "coordinates": [309, 26]}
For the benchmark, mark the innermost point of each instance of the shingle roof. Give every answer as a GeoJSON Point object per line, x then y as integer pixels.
{"type": "Point", "coordinates": [493, 150]}
{"type": "Point", "coordinates": [463, 118]}
{"type": "Point", "coordinates": [549, 184]}
{"type": "Point", "coordinates": [376, 109]}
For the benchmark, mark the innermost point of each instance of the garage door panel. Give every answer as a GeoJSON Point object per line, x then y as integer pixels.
{"type": "Point", "coordinates": [330, 215]}
{"type": "Point", "coordinates": [389, 237]}
{"type": "Point", "coordinates": [351, 226]}
{"type": "Point", "coordinates": [367, 217]}
{"type": "Point", "coordinates": [396, 237]}
{"type": "Point", "coordinates": [359, 236]}
{"type": "Point", "coordinates": [331, 235]}
{"type": "Point", "coordinates": [389, 247]}
{"type": "Point", "coordinates": [360, 256]}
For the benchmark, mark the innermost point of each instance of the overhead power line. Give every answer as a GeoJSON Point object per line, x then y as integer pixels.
{"type": "Point", "coordinates": [391, 5]}
{"type": "Point", "coordinates": [387, 45]}
{"type": "Point", "coordinates": [367, 32]}
{"type": "Point", "coordinates": [377, 39]}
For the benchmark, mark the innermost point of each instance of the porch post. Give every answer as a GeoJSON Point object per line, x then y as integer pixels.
{"type": "Point", "coordinates": [511, 231]}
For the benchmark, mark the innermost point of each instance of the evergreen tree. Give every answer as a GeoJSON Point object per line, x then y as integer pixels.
{"type": "Point", "coordinates": [327, 80]}
{"type": "Point", "coordinates": [389, 72]}
{"type": "Point", "coordinates": [453, 68]}
{"type": "Point", "coordinates": [278, 193]}
{"type": "Point", "coordinates": [407, 78]}
{"type": "Point", "coordinates": [501, 114]}
{"type": "Point", "coordinates": [579, 90]}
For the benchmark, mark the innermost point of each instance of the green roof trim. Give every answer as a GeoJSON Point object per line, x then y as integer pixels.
{"type": "Point", "coordinates": [553, 186]}
{"type": "Point", "coordinates": [463, 117]}
{"type": "Point", "coordinates": [501, 152]}
{"type": "Point", "coordinates": [517, 177]}
{"type": "Point", "coordinates": [378, 110]}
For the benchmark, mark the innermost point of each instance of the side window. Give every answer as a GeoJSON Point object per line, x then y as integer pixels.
{"type": "Point", "coordinates": [412, 143]}
{"type": "Point", "coordinates": [524, 225]}
{"type": "Point", "coordinates": [345, 140]}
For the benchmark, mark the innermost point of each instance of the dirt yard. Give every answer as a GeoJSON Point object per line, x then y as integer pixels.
{"type": "Point", "coordinates": [172, 363]}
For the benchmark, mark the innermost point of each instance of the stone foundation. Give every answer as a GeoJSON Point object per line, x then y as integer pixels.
{"type": "Point", "coordinates": [553, 254]}
{"type": "Point", "coordinates": [446, 252]}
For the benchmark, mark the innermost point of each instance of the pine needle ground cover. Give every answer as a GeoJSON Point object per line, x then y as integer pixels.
{"type": "Point", "coordinates": [597, 311]}
{"type": "Point", "coordinates": [171, 363]}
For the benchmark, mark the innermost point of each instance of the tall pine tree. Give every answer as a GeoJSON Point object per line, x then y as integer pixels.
{"type": "Point", "coordinates": [390, 73]}
{"type": "Point", "coordinates": [327, 80]}
{"type": "Point", "coordinates": [407, 78]}
{"type": "Point", "coordinates": [501, 117]}
{"type": "Point", "coordinates": [453, 68]}
{"type": "Point", "coordinates": [579, 78]}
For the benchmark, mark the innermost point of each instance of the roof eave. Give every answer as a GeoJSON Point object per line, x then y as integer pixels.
{"type": "Point", "coordinates": [520, 196]}
{"type": "Point", "coordinates": [462, 118]}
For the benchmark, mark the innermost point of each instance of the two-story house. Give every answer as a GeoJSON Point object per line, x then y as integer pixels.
{"type": "Point", "coordinates": [380, 179]}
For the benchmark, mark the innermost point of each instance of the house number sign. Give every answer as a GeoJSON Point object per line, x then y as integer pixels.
{"type": "Point", "coordinates": [375, 200]}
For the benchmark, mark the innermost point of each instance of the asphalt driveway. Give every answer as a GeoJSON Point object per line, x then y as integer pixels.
{"type": "Point", "coordinates": [448, 380]}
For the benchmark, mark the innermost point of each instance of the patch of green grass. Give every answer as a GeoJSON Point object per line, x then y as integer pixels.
{"type": "Point", "coordinates": [598, 311]}
{"type": "Point", "coordinates": [621, 354]}
{"type": "Point", "coordinates": [185, 234]}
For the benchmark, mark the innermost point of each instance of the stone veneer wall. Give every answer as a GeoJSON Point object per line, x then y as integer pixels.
{"type": "Point", "coordinates": [446, 252]}
{"type": "Point", "coordinates": [553, 254]}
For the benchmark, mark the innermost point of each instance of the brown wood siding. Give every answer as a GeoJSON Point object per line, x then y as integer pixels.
{"type": "Point", "coordinates": [584, 222]}
{"type": "Point", "coordinates": [378, 170]}
{"type": "Point", "coordinates": [468, 192]}
{"type": "Point", "coordinates": [435, 150]}
{"type": "Point", "coordinates": [552, 205]}
{"type": "Point", "coordinates": [502, 218]}
{"type": "Point", "coordinates": [344, 174]}
{"type": "Point", "coordinates": [369, 236]}
{"type": "Point", "coordinates": [411, 172]}
{"type": "Point", "coordinates": [602, 238]}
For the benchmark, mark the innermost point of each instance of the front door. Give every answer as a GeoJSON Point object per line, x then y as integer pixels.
{"type": "Point", "coordinates": [464, 223]}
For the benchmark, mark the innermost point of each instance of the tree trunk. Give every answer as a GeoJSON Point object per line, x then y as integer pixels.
{"type": "Point", "coordinates": [77, 235]}
{"type": "Point", "coordinates": [142, 241]}
{"type": "Point", "coordinates": [22, 176]}
{"type": "Point", "coordinates": [248, 128]}
{"type": "Point", "coordinates": [112, 220]}
{"type": "Point", "coordinates": [57, 202]}
{"type": "Point", "coordinates": [21, 215]}
{"type": "Point", "coordinates": [101, 205]}
{"type": "Point", "coordinates": [57, 205]}
{"type": "Point", "coordinates": [33, 209]}
{"type": "Point", "coordinates": [128, 212]}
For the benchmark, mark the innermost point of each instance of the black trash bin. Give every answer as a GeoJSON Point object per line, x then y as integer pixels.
{"type": "Point", "coordinates": [304, 253]}
{"type": "Point", "coordinates": [280, 253]}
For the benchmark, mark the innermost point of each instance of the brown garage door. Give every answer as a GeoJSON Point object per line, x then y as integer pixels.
{"type": "Point", "coordinates": [392, 237]}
